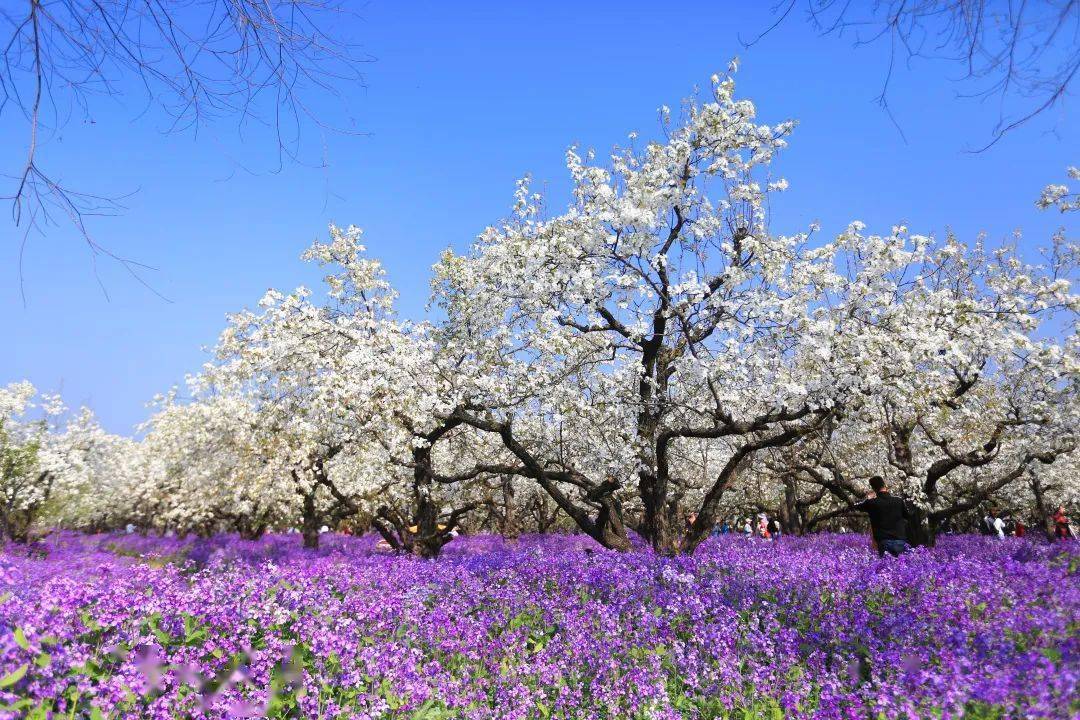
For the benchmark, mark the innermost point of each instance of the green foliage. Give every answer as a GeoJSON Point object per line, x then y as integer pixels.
{"type": "Point", "coordinates": [977, 710]}
{"type": "Point", "coordinates": [14, 676]}
{"type": "Point", "coordinates": [16, 461]}
{"type": "Point", "coordinates": [18, 468]}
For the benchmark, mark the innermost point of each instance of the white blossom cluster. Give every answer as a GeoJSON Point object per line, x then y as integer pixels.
{"type": "Point", "coordinates": [1059, 196]}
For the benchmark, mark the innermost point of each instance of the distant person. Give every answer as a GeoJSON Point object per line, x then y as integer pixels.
{"type": "Point", "coordinates": [748, 529]}
{"type": "Point", "coordinates": [888, 518]}
{"type": "Point", "coordinates": [763, 527]}
{"type": "Point", "coordinates": [775, 529]}
{"type": "Point", "coordinates": [690, 520]}
{"type": "Point", "coordinates": [1062, 530]}
{"type": "Point", "coordinates": [1021, 529]}
{"type": "Point", "coordinates": [995, 526]}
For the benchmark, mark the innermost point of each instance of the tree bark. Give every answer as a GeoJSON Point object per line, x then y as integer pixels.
{"type": "Point", "coordinates": [1046, 524]}
{"type": "Point", "coordinates": [509, 526]}
{"type": "Point", "coordinates": [427, 542]}
{"type": "Point", "coordinates": [789, 509]}
{"type": "Point", "coordinates": [252, 531]}
{"type": "Point", "coordinates": [310, 521]}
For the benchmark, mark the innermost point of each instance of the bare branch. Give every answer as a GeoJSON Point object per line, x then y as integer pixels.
{"type": "Point", "coordinates": [253, 60]}
{"type": "Point", "coordinates": [1025, 53]}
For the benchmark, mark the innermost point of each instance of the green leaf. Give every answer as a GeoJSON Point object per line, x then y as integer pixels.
{"type": "Point", "coordinates": [162, 637]}
{"type": "Point", "coordinates": [20, 639]}
{"type": "Point", "coordinates": [422, 712]}
{"type": "Point", "coordinates": [195, 634]}
{"type": "Point", "coordinates": [1051, 654]}
{"type": "Point", "coordinates": [43, 660]}
{"type": "Point", "coordinates": [96, 714]}
{"type": "Point", "coordinates": [88, 620]}
{"type": "Point", "coordinates": [14, 676]}
{"type": "Point", "coordinates": [17, 705]}
{"type": "Point", "coordinates": [5, 597]}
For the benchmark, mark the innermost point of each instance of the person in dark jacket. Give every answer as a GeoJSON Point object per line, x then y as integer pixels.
{"type": "Point", "coordinates": [888, 518]}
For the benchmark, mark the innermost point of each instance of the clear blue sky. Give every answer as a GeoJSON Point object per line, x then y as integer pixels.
{"type": "Point", "coordinates": [459, 103]}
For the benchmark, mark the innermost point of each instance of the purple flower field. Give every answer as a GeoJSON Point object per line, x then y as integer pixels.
{"type": "Point", "coordinates": [132, 627]}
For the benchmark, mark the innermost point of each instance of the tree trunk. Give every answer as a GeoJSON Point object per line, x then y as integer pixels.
{"type": "Point", "coordinates": [610, 530]}
{"type": "Point", "coordinates": [252, 531]}
{"type": "Point", "coordinates": [789, 509]}
{"type": "Point", "coordinates": [660, 524]}
{"type": "Point", "coordinates": [922, 527]}
{"type": "Point", "coordinates": [1045, 522]}
{"type": "Point", "coordinates": [384, 526]}
{"type": "Point", "coordinates": [310, 521]}
{"type": "Point", "coordinates": [544, 516]}
{"type": "Point", "coordinates": [804, 520]}
{"type": "Point", "coordinates": [667, 531]}
{"type": "Point", "coordinates": [509, 526]}
{"type": "Point", "coordinates": [429, 539]}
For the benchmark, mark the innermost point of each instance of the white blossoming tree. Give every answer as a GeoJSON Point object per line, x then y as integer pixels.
{"type": "Point", "coordinates": [351, 408]}
{"type": "Point", "coordinates": [44, 460]}
{"type": "Point", "coordinates": [94, 473]}
{"type": "Point", "coordinates": [201, 469]}
{"type": "Point", "coordinates": [657, 320]}
{"type": "Point", "coordinates": [25, 484]}
{"type": "Point", "coordinates": [969, 360]}
{"type": "Point", "coordinates": [655, 316]}
{"type": "Point", "coordinates": [651, 358]}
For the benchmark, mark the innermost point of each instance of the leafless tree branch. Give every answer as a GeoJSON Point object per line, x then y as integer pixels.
{"type": "Point", "coordinates": [197, 61]}
{"type": "Point", "coordinates": [1026, 53]}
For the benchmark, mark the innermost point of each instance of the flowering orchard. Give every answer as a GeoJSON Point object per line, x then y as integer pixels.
{"type": "Point", "coordinates": [652, 352]}
{"type": "Point", "coordinates": [635, 368]}
{"type": "Point", "coordinates": [114, 626]}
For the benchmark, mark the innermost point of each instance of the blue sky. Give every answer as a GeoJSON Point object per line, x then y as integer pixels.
{"type": "Point", "coordinates": [459, 103]}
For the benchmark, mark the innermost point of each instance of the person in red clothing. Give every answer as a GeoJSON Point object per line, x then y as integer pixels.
{"type": "Point", "coordinates": [1061, 524]}
{"type": "Point", "coordinates": [1020, 529]}
{"type": "Point", "coordinates": [763, 527]}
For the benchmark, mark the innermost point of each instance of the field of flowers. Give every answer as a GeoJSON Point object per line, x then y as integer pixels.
{"type": "Point", "coordinates": [134, 627]}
